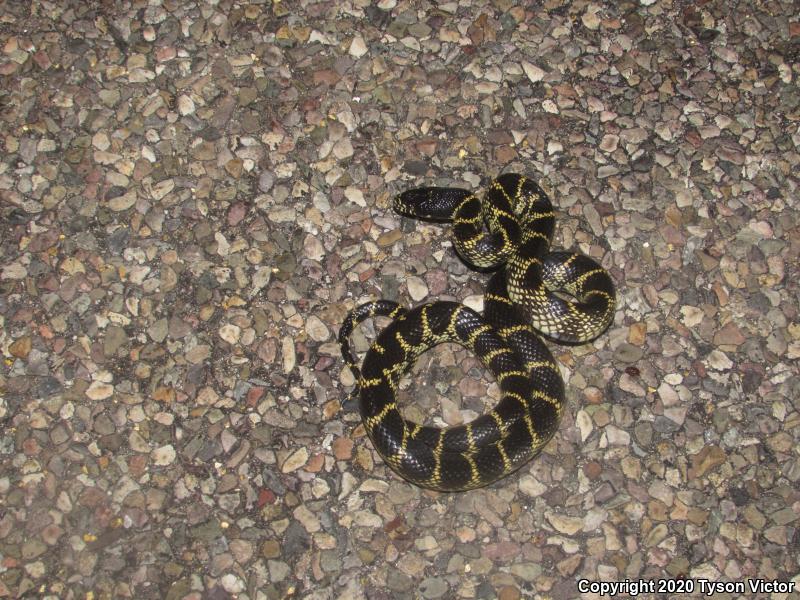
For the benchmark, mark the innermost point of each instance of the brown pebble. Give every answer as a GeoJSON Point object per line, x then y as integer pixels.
{"type": "Point", "coordinates": [426, 146]}
{"type": "Point", "coordinates": [637, 334]}
{"type": "Point", "coordinates": [592, 470]}
{"type": "Point", "coordinates": [315, 463]}
{"type": "Point", "coordinates": [343, 448]}
{"type": "Point", "coordinates": [271, 549]}
{"type": "Point", "coordinates": [593, 395]}
{"type": "Point", "coordinates": [21, 347]}
{"type": "Point", "coordinates": [234, 167]}
{"type": "Point", "coordinates": [729, 335]}
{"type": "Point", "coordinates": [389, 238]}
{"type": "Point", "coordinates": [505, 154]}
{"type": "Point", "coordinates": [508, 592]}
{"type": "Point", "coordinates": [706, 460]}
{"type": "Point", "coordinates": [164, 394]}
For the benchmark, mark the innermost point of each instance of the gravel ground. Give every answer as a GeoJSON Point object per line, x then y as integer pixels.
{"type": "Point", "coordinates": [194, 194]}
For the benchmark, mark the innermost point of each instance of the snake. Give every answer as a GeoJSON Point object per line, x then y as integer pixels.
{"type": "Point", "coordinates": [534, 293]}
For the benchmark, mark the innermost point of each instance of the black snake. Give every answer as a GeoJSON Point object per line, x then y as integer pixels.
{"type": "Point", "coordinates": [526, 293]}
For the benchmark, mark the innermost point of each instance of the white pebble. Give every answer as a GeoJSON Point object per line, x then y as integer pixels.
{"type": "Point", "coordinates": [165, 455]}
{"type": "Point", "coordinates": [357, 47]}
{"type": "Point", "coordinates": [230, 333]}
{"type": "Point", "coordinates": [416, 288]}
{"type": "Point", "coordinates": [532, 72]}
{"type": "Point", "coordinates": [185, 105]}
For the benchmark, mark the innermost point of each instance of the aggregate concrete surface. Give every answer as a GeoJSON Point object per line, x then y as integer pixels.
{"type": "Point", "coordinates": [194, 194]}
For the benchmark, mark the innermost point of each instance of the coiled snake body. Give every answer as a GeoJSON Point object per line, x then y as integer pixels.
{"type": "Point", "coordinates": [523, 296]}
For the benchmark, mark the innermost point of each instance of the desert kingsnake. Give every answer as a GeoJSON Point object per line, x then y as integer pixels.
{"type": "Point", "coordinates": [520, 222]}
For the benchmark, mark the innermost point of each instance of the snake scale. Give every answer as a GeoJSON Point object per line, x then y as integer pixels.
{"type": "Point", "coordinates": [510, 230]}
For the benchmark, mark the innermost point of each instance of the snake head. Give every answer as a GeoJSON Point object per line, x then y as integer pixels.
{"type": "Point", "coordinates": [430, 203]}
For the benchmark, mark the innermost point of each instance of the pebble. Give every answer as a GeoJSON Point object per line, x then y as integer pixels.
{"type": "Point", "coordinates": [186, 105]}
{"type": "Point", "coordinates": [729, 335]}
{"type": "Point", "coordinates": [532, 72]}
{"type": "Point", "coordinates": [417, 288]}
{"type": "Point", "coordinates": [357, 47]}
{"type": "Point", "coordinates": [317, 330]}
{"type": "Point", "coordinates": [313, 248]}
{"type": "Point", "coordinates": [590, 19]}
{"type": "Point", "coordinates": [288, 353]}
{"type": "Point", "coordinates": [719, 361]}
{"type": "Point", "coordinates": [564, 524]}
{"type": "Point", "coordinates": [165, 455]}
{"type": "Point", "coordinates": [230, 333]}
{"type": "Point", "coordinates": [584, 423]}
{"type": "Point", "coordinates": [343, 450]}
{"type": "Point", "coordinates": [433, 587]}
{"type": "Point", "coordinates": [531, 487]}
{"type": "Point", "coordinates": [307, 518]}
{"type": "Point", "coordinates": [628, 353]}
{"type": "Point", "coordinates": [99, 390]}
{"type": "Point", "coordinates": [295, 460]}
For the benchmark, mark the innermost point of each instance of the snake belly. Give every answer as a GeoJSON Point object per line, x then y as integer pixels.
{"type": "Point", "coordinates": [491, 446]}
{"type": "Point", "coordinates": [509, 230]}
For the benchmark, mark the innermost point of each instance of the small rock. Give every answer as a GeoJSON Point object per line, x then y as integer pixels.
{"type": "Point", "coordinates": [313, 248]}
{"type": "Point", "coordinates": [564, 524]}
{"type": "Point", "coordinates": [531, 486]}
{"type": "Point", "coordinates": [232, 584]}
{"type": "Point", "coordinates": [532, 72]}
{"type": "Point", "coordinates": [616, 436]}
{"type": "Point", "coordinates": [388, 238]}
{"type": "Point", "coordinates": [21, 347]}
{"type": "Point", "coordinates": [628, 353]}
{"type": "Point", "coordinates": [343, 448]}
{"type": "Point", "coordinates": [295, 460]}
{"type": "Point", "coordinates": [707, 459]}
{"type": "Point", "coordinates": [158, 331]}
{"type": "Point", "coordinates": [719, 361]}
{"type": "Point", "coordinates": [165, 455]}
{"type": "Point", "coordinates": [316, 329]}
{"type": "Point", "coordinates": [609, 143]}
{"type": "Point", "coordinates": [14, 271]}
{"type": "Point", "coordinates": [307, 518]}
{"type": "Point", "coordinates": [289, 356]}
{"type": "Point", "coordinates": [417, 288]}
{"type": "Point", "coordinates": [397, 581]}
{"type": "Point", "coordinates": [271, 549]}
{"type": "Point", "coordinates": [656, 535]}
{"type": "Point", "coordinates": [590, 19]}
{"type": "Point", "coordinates": [629, 384]}
{"type": "Point", "coordinates": [100, 141]}
{"type": "Point", "coordinates": [692, 316]}
{"type": "Point", "coordinates": [185, 105]}
{"type": "Point", "coordinates": [592, 470]}
{"type": "Point", "coordinates": [354, 194]}
{"type": "Point", "coordinates": [584, 423]}
{"type": "Point", "coordinates": [475, 302]}
{"type": "Point", "coordinates": [358, 47]}
{"type": "Point", "coordinates": [508, 592]}
{"type": "Point", "coordinates": [99, 390]}
{"type": "Point", "coordinates": [278, 570]}
{"type": "Point", "coordinates": [230, 333]}
{"type": "Point", "coordinates": [433, 587]}
{"type": "Point", "coordinates": [729, 335]}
